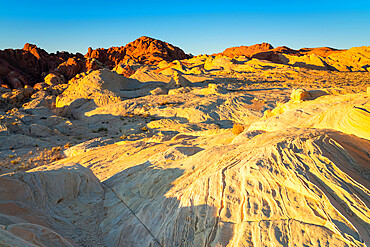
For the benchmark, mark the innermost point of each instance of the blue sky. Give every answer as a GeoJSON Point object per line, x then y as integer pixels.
{"type": "Point", "coordinates": [197, 27]}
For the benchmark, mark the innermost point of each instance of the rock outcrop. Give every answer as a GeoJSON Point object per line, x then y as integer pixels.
{"type": "Point", "coordinates": [346, 113]}
{"type": "Point", "coordinates": [29, 65]}
{"type": "Point", "coordinates": [315, 58]}
{"type": "Point", "coordinates": [36, 208]}
{"type": "Point", "coordinates": [253, 192]}
{"type": "Point", "coordinates": [53, 79]}
{"type": "Point", "coordinates": [103, 87]}
{"type": "Point", "coordinates": [144, 50]}
{"type": "Point", "coordinates": [354, 59]}
{"type": "Point", "coordinates": [124, 70]}
{"type": "Point", "coordinates": [247, 51]}
{"type": "Point", "coordinates": [178, 81]}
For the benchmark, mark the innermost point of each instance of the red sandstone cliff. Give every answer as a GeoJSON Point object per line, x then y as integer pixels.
{"type": "Point", "coordinates": [27, 66]}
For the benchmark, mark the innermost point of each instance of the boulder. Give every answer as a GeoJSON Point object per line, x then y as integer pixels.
{"type": "Point", "coordinates": [53, 79]}
{"type": "Point", "coordinates": [158, 91]}
{"type": "Point", "coordinates": [124, 70]}
{"type": "Point", "coordinates": [178, 80]}
{"type": "Point", "coordinates": [17, 97]}
{"type": "Point", "coordinates": [40, 86]}
{"type": "Point", "coordinates": [302, 95]}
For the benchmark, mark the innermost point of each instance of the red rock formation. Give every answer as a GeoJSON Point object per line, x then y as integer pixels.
{"type": "Point", "coordinates": [74, 66]}
{"type": "Point", "coordinates": [320, 51]}
{"type": "Point", "coordinates": [144, 50]}
{"type": "Point", "coordinates": [285, 50]}
{"type": "Point", "coordinates": [247, 51]}
{"type": "Point", "coordinates": [70, 68]}
{"type": "Point", "coordinates": [27, 66]}
{"type": "Point", "coordinates": [272, 56]}
{"type": "Point", "coordinates": [265, 51]}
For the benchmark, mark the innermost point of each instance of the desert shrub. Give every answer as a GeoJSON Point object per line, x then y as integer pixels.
{"type": "Point", "coordinates": [56, 149]}
{"type": "Point", "coordinates": [164, 103]}
{"type": "Point", "coordinates": [30, 160]}
{"type": "Point", "coordinates": [237, 129]}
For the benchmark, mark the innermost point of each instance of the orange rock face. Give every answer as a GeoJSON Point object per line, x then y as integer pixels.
{"type": "Point", "coordinates": [144, 50]}
{"type": "Point", "coordinates": [247, 51]}
{"type": "Point", "coordinates": [320, 51]}
{"type": "Point", "coordinates": [267, 52]}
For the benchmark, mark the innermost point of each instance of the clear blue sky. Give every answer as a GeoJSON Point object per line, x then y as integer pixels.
{"type": "Point", "coordinates": [198, 27]}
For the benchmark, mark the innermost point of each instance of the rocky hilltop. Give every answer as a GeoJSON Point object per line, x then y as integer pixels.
{"type": "Point", "coordinates": [144, 50]}
{"type": "Point", "coordinates": [247, 51]}
{"type": "Point", "coordinates": [212, 150]}
{"type": "Point", "coordinates": [32, 65]}
{"type": "Point", "coordinates": [259, 49]}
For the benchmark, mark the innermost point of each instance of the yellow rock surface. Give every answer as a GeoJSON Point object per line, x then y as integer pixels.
{"type": "Point", "coordinates": [154, 160]}
{"type": "Point", "coordinates": [101, 86]}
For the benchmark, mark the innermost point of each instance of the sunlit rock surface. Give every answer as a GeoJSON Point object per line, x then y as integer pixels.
{"type": "Point", "coordinates": [212, 150]}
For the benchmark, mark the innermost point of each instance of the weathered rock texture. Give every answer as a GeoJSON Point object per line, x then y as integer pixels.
{"type": "Point", "coordinates": [103, 87]}
{"type": "Point", "coordinates": [39, 208]}
{"type": "Point", "coordinates": [254, 192]}
{"type": "Point", "coordinates": [155, 159]}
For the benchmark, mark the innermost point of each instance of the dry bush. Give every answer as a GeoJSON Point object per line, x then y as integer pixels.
{"type": "Point", "coordinates": [164, 103]}
{"type": "Point", "coordinates": [30, 160]}
{"type": "Point", "coordinates": [237, 129]}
